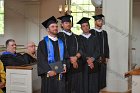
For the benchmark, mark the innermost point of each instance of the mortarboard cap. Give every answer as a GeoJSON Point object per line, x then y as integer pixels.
{"type": "Point", "coordinates": [84, 20]}
{"type": "Point", "coordinates": [65, 18]}
{"type": "Point", "coordinates": [96, 17]}
{"type": "Point", "coordinates": [49, 21]}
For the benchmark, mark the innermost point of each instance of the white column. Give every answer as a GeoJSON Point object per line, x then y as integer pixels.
{"type": "Point", "coordinates": [136, 32]}
{"type": "Point", "coordinates": [117, 26]}
{"type": "Point", "coordinates": [32, 21]}
{"type": "Point", "coordinates": [136, 83]}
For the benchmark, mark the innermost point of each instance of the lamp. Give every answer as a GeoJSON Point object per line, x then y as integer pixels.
{"type": "Point", "coordinates": [97, 3]}
{"type": "Point", "coordinates": [66, 8]}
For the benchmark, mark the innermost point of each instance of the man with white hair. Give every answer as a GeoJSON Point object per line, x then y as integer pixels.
{"type": "Point", "coordinates": [29, 55]}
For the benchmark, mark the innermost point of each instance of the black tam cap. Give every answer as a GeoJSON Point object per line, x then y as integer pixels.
{"type": "Point", "coordinates": [65, 18]}
{"type": "Point", "coordinates": [84, 20]}
{"type": "Point", "coordinates": [49, 21]}
{"type": "Point", "coordinates": [96, 17]}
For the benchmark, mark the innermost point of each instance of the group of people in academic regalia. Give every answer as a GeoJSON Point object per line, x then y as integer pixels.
{"type": "Point", "coordinates": [70, 63]}
{"type": "Point", "coordinates": [67, 63]}
{"type": "Point", "coordinates": [11, 58]}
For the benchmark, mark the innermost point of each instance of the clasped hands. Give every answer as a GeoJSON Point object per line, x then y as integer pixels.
{"type": "Point", "coordinates": [53, 73]}
{"type": "Point", "coordinates": [90, 61]}
{"type": "Point", "coordinates": [73, 60]}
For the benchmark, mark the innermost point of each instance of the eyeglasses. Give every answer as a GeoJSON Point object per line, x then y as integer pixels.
{"type": "Point", "coordinates": [32, 46]}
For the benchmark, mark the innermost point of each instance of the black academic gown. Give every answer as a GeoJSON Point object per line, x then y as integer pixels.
{"type": "Point", "coordinates": [104, 51]}
{"type": "Point", "coordinates": [11, 60]}
{"type": "Point", "coordinates": [90, 49]}
{"type": "Point", "coordinates": [49, 84]}
{"type": "Point", "coordinates": [74, 79]}
{"type": "Point", "coordinates": [29, 59]}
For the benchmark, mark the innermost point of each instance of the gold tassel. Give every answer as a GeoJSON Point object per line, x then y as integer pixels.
{"type": "Point", "coordinates": [47, 75]}
{"type": "Point", "coordinates": [59, 77]}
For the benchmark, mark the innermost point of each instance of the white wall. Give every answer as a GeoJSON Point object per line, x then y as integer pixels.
{"type": "Point", "coordinates": [117, 25]}
{"type": "Point", "coordinates": [32, 21]}
{"type": "Point", "coordinates": [49, 8]}
{"type": "Point", "coordinates": [23, 19]}
{"type": "Point", "coordinates": [14, 22]}
{"type": "Point", "coordinates": [136, 32]}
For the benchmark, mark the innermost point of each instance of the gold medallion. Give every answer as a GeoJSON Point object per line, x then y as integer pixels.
{"type": "Point", "coordinates": [56, 67]}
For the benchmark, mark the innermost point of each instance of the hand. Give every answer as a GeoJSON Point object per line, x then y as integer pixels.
{"type": "Point", "coordinates": [2, 85]}
{"type": "Point", "coordinates": [89, 60]}
{"type": "Point", "coordinates": [106, 60]}
{"type": "Point", "coordinates": [73, 59]}
{"type": "Point", "coordinates": [75, 65]}
{"type": "Point", "coordinates": [65, 69]}
{"type": "Point", "coordinates": [91, 66]}
{"type": "Point", "coordinates": [51, 73]}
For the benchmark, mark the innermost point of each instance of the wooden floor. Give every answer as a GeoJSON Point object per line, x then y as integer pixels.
{"type": "Point", "coordinates": [115, 92]}
{"type": "Point", "coordinates": [100, 92]}
{"type": "Point", "coordinates": [39, 91]}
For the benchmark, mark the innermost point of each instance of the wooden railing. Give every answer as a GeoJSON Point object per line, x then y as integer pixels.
{"type": "Point", "coordinates": [133, 72]}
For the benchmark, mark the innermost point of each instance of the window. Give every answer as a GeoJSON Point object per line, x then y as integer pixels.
{"type": "Point", "coordinates": [81, 8]}
{"type": "Point", "coordinates": [1, 17]}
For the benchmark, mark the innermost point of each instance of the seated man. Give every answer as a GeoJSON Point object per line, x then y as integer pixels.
{"type": "Point", "coordinates": [29, 56]}
{"type": "Point", "coordinates": [10, 57]}
{"type": "Point", "coordinates": [2, 77]}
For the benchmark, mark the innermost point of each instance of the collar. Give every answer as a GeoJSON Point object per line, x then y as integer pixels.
{"type": "Point", "coordinates": [31, 54]}
{"type": "Point", "coordinates": [7, 52]}
{"type": "Point", "coordinates": [67, 33]}
{"type": "Point", "coordinates": [52, 38]}
{"type": "Point", "coordinates": [86, 35]}
{"type": "Point", "coordinates": [98, 30]}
